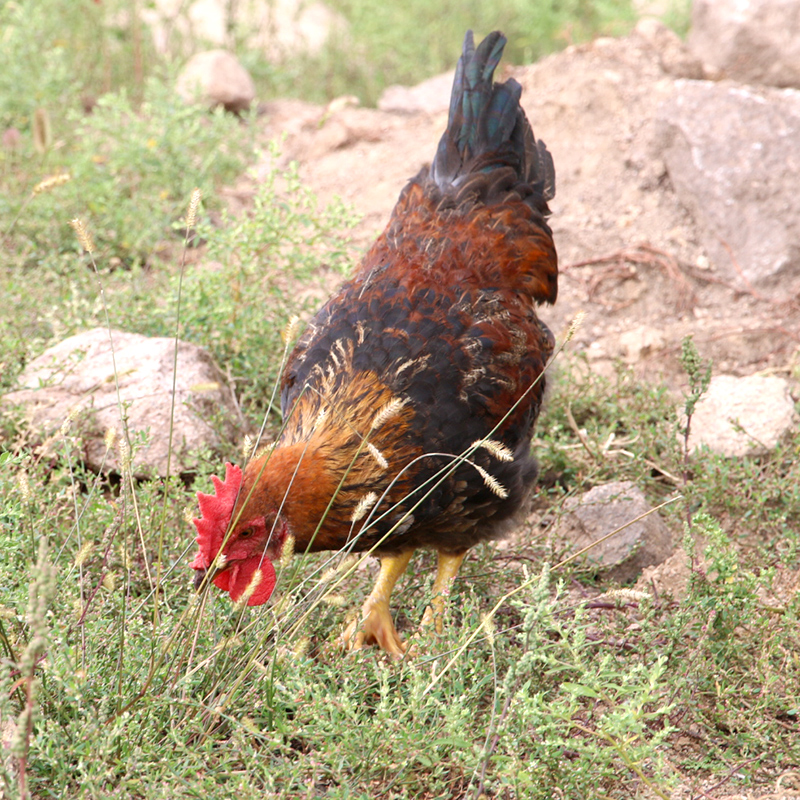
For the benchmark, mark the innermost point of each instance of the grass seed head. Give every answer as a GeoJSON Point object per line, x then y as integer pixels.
{"type": "Point", "coordinates": [124, 456]}
{"type": "Point", "coordinates": [264, 450]}
{"type": "Point", "coordinates": [378, 456]}
{"type": "Point", "coordinates": [487, 622]}
{"type": "Point", "coordinates": [42, 131]}
{"type": "Point", "coordinates": [497, 449]}
{"type": "Point", "coordinates": [84, 553]}
{"type": "Point", "coordinates": [110, 437]}
{"type": "Point", "coordinates": [258, 576]}
{"type": "Point", "coordinates": [125, 558]}
{"type": "Point", "coordinates": [24, 486]}
{"type": "Point", "coordinates": [220, 561]}
{"type": "Point", "coordinates": [82, 232]}
{"type": "Point", "coordinates": [51, 182]}
{"type": "Point", "coordinates": [575, 325]}
{"type": "Point", "coordinates": [492, 483]}
{"type": "Point", "coordinates": [247, 446]}
{"type": "Point", "coordinates": [389, 411]}
{"type": "Point", "coordinates": [627, 595]}
{"type": "Point", "coordinates": [287, 551]}
{"type": "Point", "coordinates": [343, 566]}
{"type": "Point", "coordinates": [335, 600]}
{"type": "Point", "coordinates": [66, 424]}
{"type": "Point", "coordinates": [364, 504]}
{"type": "Point", "coordinates": [194, 202]}
{"type": "Point", "coordinates": [291, 330]}
{"type": "Point", "coordinates": [301, 646]}
{"type": "Point", "coordinates": [348, 562]}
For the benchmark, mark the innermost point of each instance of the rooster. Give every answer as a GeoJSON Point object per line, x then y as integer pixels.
{"type": "Point", "coordinates": [409, 402]}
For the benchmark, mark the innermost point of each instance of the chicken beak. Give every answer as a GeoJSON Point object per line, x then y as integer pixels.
{"type": "Point", "coordinates": [203, 577]}
{"type": "Point", "coordinates": [200, 579]}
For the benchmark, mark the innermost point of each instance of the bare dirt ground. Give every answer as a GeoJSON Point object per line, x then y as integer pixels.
{"type": "Point", "coordinates": [629, 252]}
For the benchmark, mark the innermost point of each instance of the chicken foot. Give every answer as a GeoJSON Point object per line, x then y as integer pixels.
{"type": "Point", "coordinates": [374, 624]}
{"type": "Point", "coordinates": [446, 571]}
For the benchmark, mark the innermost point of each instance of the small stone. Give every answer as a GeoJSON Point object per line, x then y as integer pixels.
{"type": "Point", "coordinates": [602, 510]}
{"type": "Point", "coordinates": [432, 96]}
{"type": "Point", "coordinates": [216, 78]}
{"type": "Point", "coordinates": [641, 342]}
{"type": "Point", "coordinates": [670, 578]}
{"type": "Point", "coordinates": [740, 417]}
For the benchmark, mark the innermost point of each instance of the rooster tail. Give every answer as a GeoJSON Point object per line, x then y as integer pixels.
{"type": "Point", "coordinates": [488, 132]}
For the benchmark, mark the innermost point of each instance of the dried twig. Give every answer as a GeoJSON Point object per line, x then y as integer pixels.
{"type": "Point", "coordinates": [643, 254]}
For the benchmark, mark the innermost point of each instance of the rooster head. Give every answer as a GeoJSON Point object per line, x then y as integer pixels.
{"type": "Point", "coordinates": [239, 558]}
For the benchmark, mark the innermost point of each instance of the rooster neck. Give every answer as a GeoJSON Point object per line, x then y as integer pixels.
{"type": "Point", "coordinates": [293, 481]}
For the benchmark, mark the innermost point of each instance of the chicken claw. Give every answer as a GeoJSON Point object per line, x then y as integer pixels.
{"type": "Point", "coordinates": [446, 570]}
{"type": "Point", "coordinates": [374, 626]}
{"type": "Point", "coordinates": [375, 623]}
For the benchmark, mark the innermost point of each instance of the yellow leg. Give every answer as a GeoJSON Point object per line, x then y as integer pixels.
{"type": "Point", "coordinates": [446, 571]}
{"type": "Point", "coordinates": [375, 625]}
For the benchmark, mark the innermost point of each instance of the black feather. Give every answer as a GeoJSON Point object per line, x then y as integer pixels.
{"type": "Point", "coordinates": [487, 130]}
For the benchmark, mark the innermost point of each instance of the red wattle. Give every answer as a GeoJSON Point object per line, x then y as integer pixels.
{"type": "Point", "coordinates": [237, 578]}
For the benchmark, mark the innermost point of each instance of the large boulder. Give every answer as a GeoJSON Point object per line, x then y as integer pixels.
{"type": "Point", "coordinates": [757, 41]}
{"type": "Point", "coordinates": [74, 382]}
{"type": "Point", "coordinates": [733, 157]}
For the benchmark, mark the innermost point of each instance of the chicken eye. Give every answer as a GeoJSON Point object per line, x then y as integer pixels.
{"type": "Point", "coordinates": [245, 533]}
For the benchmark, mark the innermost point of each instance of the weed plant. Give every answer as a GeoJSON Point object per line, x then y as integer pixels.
{"type": "Point", "coordinates": [129, 171]}
{"type": "Point", "coordinates": [118, 679]}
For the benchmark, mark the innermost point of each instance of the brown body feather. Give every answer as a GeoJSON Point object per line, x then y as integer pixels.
{"type": "Point", "coordinates": [441, 317]}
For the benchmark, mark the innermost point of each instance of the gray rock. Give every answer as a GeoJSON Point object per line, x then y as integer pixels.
{"type": "Point", "coordinates": [216, 78]}
{"type": "Point", "coordinates": [432, 96]}
{"type": "Point", "coordinates": [743, 416]}
{"type": "Point", "coordinates": [674, 57]}
{"type": "Point", "coordinates": [75, 380]}
{"type": "Point", "coordinates": [733, 156]}
{"type": "Point", "coordinates": [602, 510]}
{"type": "Point", "coordinates": [757, 41]}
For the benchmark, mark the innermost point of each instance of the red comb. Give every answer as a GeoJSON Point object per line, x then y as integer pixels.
{"type": "Point", "coordinates": [215, 515]}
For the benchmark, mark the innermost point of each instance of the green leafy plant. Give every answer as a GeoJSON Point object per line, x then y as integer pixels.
{"type": "Point", "coordinates": [241, 307]}
{"type": "Point", "coordinates": [61, 57]}
{"type": "Point", "coordinates": [129, 173]}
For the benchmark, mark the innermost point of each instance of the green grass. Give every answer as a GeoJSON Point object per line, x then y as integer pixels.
{"type": "Point", "coordinates": [144, 689]}
{"type": "Point", "coordinates": [119, 681]}
{"type": "Point", "coordinates": [110, 49]}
